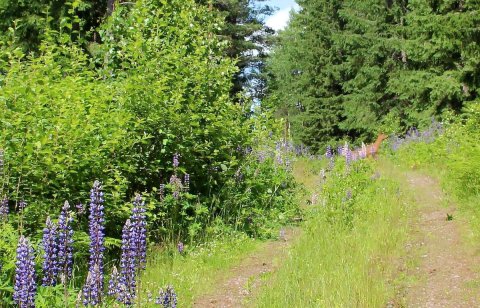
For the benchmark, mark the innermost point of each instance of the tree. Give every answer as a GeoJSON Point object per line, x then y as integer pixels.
{"type": "Point", "coordinates": [249, 40]}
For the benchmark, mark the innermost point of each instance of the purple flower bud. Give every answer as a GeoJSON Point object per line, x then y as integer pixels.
{"type": "Point", "coordinates": [25, 287]}
{"type": "Point", "coordinates": [180, 247]}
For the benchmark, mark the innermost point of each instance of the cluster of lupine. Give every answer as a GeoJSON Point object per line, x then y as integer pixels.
{"type": "Point", "coordinates": [25, 287]}
{"type": "Point", "coordinates": [133, 258]}
{"type": "Point", "coordinates": [414, 135]}
{"type": "Point", "coordinates": [167, 298]}
{"type": "Point", "coordinates": [93, 289]}
{"type": "Point", "coordinates": [57, 244]}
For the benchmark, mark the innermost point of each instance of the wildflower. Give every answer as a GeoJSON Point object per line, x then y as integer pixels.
{"type": "Point", "coordinates": [363, 152]}
{"type": "Point", "coordinates": [65, 241]}
{"type": "Point", "coordinates": [348, 154]}
{"type": "Point", "coordinates": [177, 185]}
{"type": "Point", "coordinates": [180, 247]}
{"type": "Point", "coordinates": [25, 287]}
{"type": "Point", "coordinates": [328, 152]}
{"type": "Point", "coordinates": [22, 205]}
{"type": "Point", "coordinates": [127, 281]}
{"type": "Point", "coordinates": [167, 298]}
{"type": "Point", "coordinates": [113, 288]}
{"type": "Point", "coordinates": [186, 181]}
{"type": "Point", "coordinates": [175, 160]}
{"type": "Point", "coordinates": [4, 208]}
{"type": "Point", "coordinates": [139, 232]}
{"type": "Point", "coordinates": [80, 208]}
{"type": "Point", "coordinates": [50, 258]}
{"type": "Point", "coordinates": [92, 291]}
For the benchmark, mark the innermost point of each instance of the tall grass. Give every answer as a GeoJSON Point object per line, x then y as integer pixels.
{"type": "Point", "coordinates": [454, 159]}
{"type": "Point", "coordinates": [346, 256]}
{"type": "Point", "coordinates": [196, 271]}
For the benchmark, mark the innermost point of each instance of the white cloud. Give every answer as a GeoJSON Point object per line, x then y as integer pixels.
{"type": "Point", "coordinates": [279, 20]}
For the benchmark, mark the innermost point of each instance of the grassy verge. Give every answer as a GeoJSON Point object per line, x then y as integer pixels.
{"type": "Point", "coordinates": [348, 253]}
{"type": "Point", "coordinates": [454, 159]}
{"type": "Point", "coordinates": [195, 272]}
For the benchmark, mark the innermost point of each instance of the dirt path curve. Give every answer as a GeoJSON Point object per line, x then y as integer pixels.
{"type": "Point", "coordinates": [243, 280]}
{"type": "Point", "coordinates": [446, 268]}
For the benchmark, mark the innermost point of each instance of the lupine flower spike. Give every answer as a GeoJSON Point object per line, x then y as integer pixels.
{"type": "Point", "coordinates": [65, 241]}
{"type": "Point", "coordinates": [139, 235]}
{"type": "Point", "coordinates": [93, 289]}
{"type": "Point", "coordinates": [167, 298]}
{"type": "Point", "coordinates": [4, 208]}
{"type": "Point", "coordinates": [127, 283]}
{"type": "Point", "coordinates": [25, 287]}
{"type": "Point", "coordinates": [50, 258]}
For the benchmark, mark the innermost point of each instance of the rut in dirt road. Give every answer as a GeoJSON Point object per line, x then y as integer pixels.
{"type": "Point", "coordinates": [447, 269]}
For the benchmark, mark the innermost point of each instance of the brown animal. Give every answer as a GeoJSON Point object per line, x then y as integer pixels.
{"type": "Point", "coordinates": [372, 149]}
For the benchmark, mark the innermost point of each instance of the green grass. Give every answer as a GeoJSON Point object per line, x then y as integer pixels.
{"type": "Point", "coordinates": [353, 265]}
{"type": "Point", "coordinates": [198, 271]}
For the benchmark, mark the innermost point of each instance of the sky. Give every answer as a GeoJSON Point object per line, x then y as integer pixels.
{"type": "Point", "coordinates": [279, 20]}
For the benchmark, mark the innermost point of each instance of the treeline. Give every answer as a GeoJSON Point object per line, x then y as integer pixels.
{"type": "Point", "coordinates": [353, 68]}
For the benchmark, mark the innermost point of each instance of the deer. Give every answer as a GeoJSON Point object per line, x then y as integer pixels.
{"type": "Point", "coordinates": [372, 149]}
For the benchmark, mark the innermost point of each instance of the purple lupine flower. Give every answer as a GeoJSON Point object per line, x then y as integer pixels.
{"type": "Point", "coordinates": [175, 160]}
{"type": "Point", "coordinates": [4, 208]}
{"type": "Point", "coordinates": [328, 152]}
{"type": "Point", "coordinates": [22, 205]}
{"type": "Point", "coordinates": [238, 175]}
{"type": "Point", "coordinates": [177, 185]}
{"type": "Point", "coordinates": [288, 163]}
{"type": "Point", "coordinates": [349, 194]}
{"type": "Point", "coordinates": [348, 154]}
{"type": "Point", "coordinates": [127, 282]}
{"type": "Point", "coordinates": [113, 283]}
{"type": "Point", "coordinates": [340, 150]}
{"type": "Point", "coordinates": [65, 241]}
{"type": "Point", "coordinates": [180, 247]}
{"type": "Point", "coordinates": [139, 235]}
{"type": "Point", "coordinates": [186, 181]}
{"type": "Point", "coordinates": [50, 257]}
{"type": "Point", "coordinates": [93, 289]}
{"type": "Point", "coordinates": [80, 208]}
{"type": "Point", "coordinates": [167, 298]}
{"type": "Point", "coordinates": [25, 287]}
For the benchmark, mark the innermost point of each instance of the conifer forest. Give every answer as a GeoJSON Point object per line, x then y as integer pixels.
{"type": "Point", "coordinates": [239, 153]}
